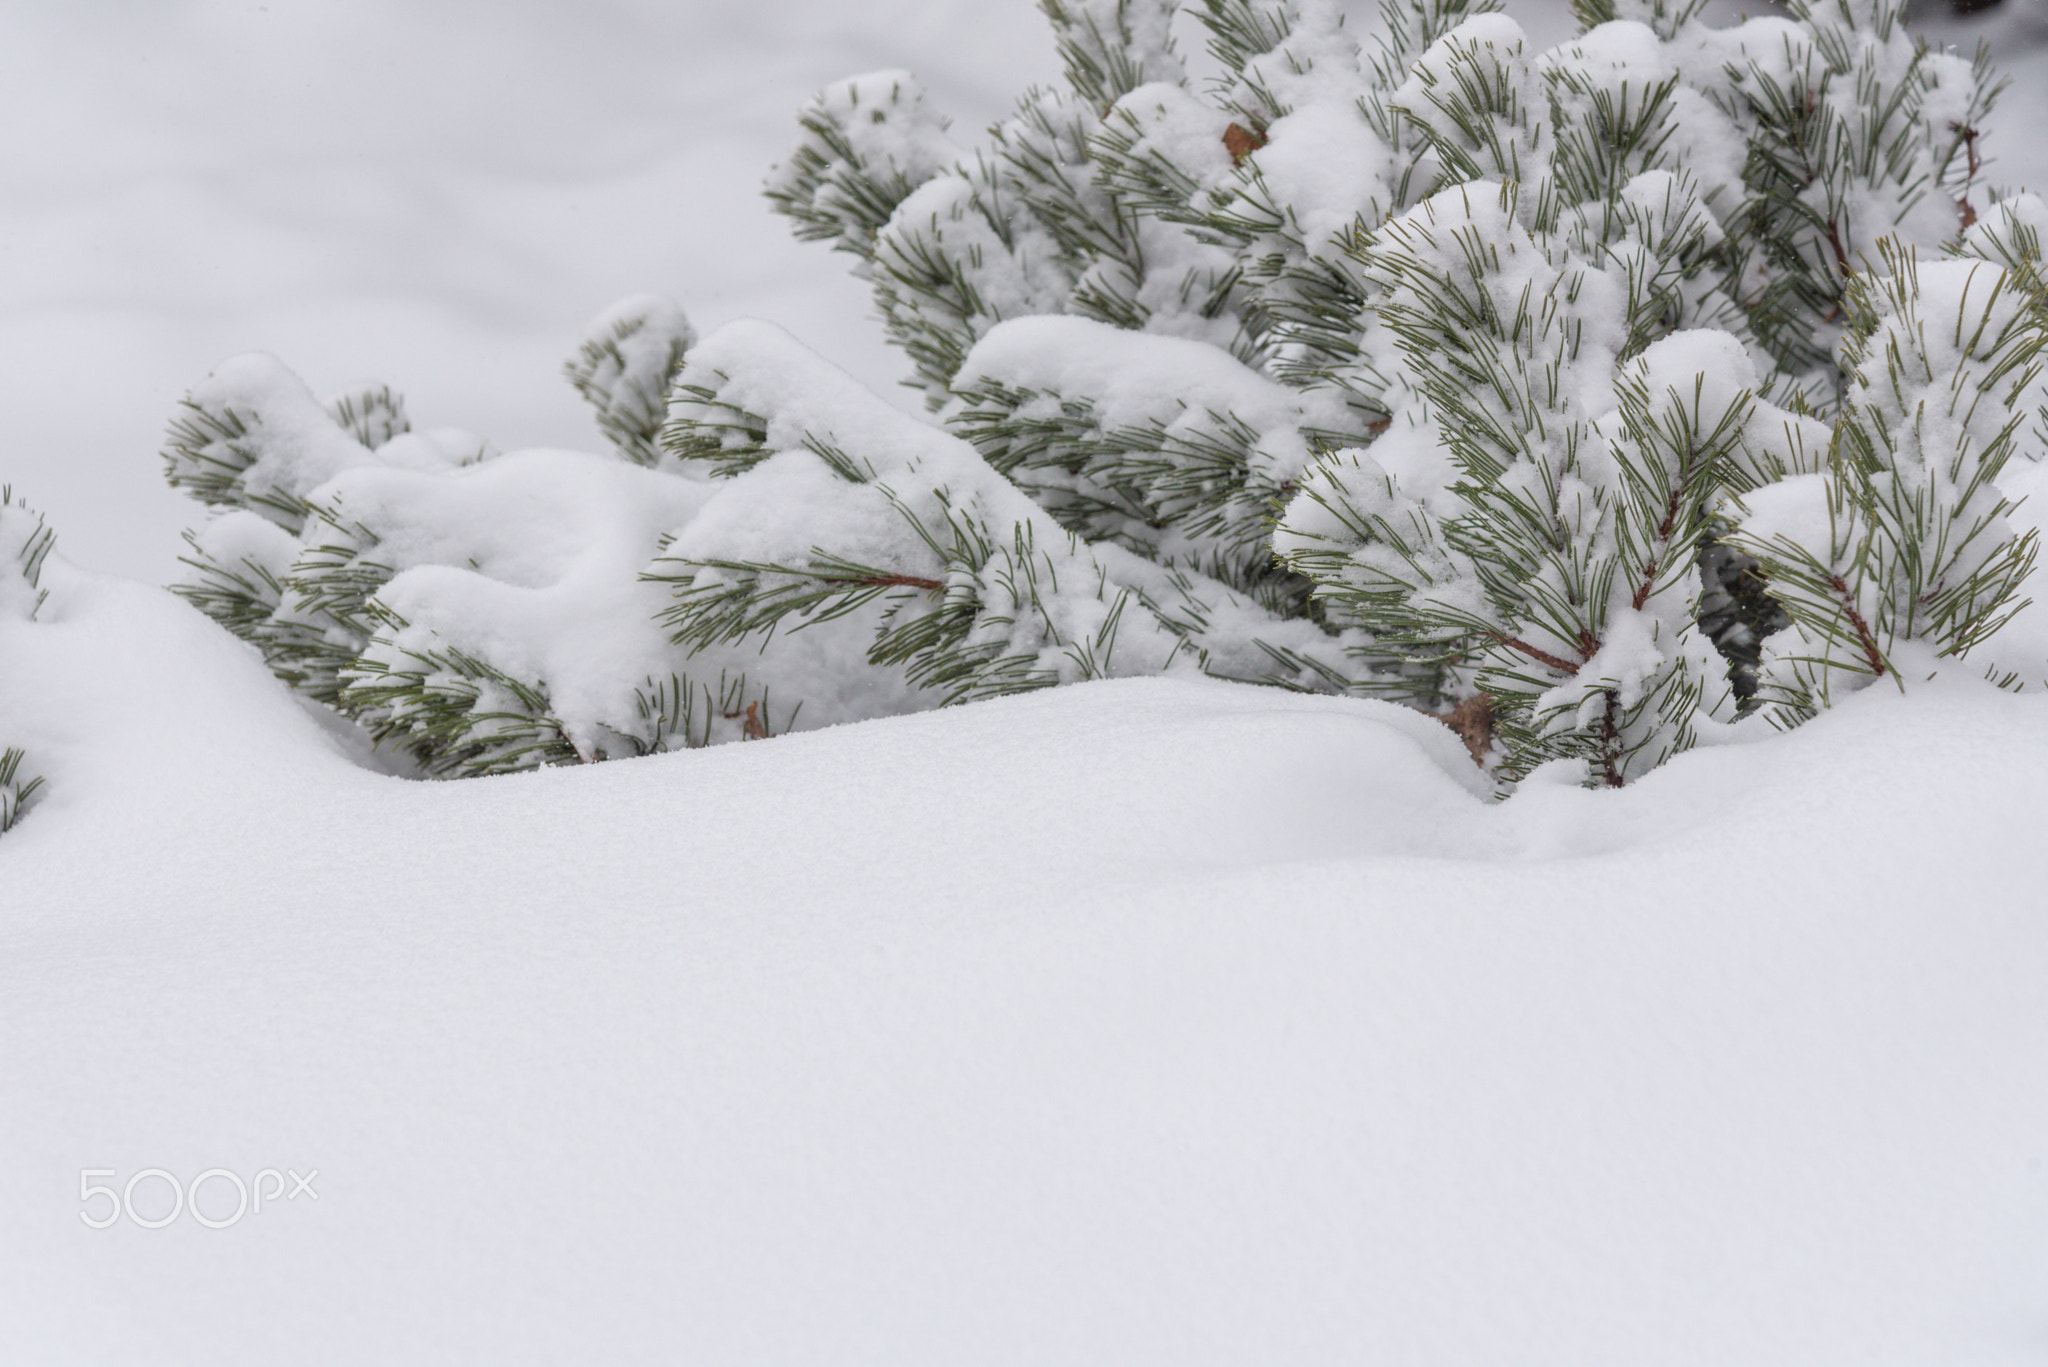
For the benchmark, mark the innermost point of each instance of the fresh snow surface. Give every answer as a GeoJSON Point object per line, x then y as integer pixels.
{"type": "Point", "coordinates": [1142, 1022]}
{"type": "Point", "coordinates": [1135, 1022]}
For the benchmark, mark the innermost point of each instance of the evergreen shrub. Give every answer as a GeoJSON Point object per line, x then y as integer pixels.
{"type": "Point", "coordinates": [1593, 399]}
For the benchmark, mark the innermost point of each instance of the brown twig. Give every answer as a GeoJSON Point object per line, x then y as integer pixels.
{"type": "Point", "coordinates": [1841, 252]}
{"type": "Point", "coordinates": [1976, 164]}
{"type": "Point", "coordinates": [1870, 650]}
{"type": "Point", "coordinates": [1536, 654]}
{"type": "Point", "coordinates": [1642, 593]}
{"type": "Point", "coordinates": [1610, 741]}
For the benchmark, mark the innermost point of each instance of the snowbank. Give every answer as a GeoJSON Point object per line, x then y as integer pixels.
{"type": "Point", "coordinates": [1152, 1021]}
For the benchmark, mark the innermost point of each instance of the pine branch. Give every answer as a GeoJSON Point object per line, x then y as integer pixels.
{"type": "Point", "coordinates": [17, 794]}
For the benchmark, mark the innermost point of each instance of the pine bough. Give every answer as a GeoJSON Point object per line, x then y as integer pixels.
{"type": "Point", "coordinates": [25, 543]}
{"type": "Point", "coordinates": [1592, 399]}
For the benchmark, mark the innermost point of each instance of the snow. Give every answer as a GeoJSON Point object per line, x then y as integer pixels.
{"type": "Point", "coordinates": [1623, 60]}
{"type": "Point", "coordinates": [1107, 33]}
{"type": "Point", "coordinates": [530, 561]}
{"type": "Point", "coordinates": [1152, 1020]}
{"type": "Point", "coordinates": [303, 446]}
{"type": "Point", "coordinates": [1466, 58]}
{"type": "Point", "coordinates": [1324, 161]}
{"type": "Point", "coordinates": [1119, 1021]}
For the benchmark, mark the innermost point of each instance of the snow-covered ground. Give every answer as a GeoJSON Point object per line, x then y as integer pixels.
{"type": "Point", "coordinates": [1144, 1022]}
{"type": "Point", "coordinates": [1138, 1022]}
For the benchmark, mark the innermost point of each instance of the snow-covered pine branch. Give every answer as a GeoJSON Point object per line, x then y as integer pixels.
{"type": "Point", "coordinates": [629, 356]}
{"type": "Point", "coordinates": [1899, 554]}
{"type": "Point", "coordinates": [1532, 528]}
{"type": "Point", "coordinates": [800, 553]}
{"type": "Point", "coordinates": [1167, 447]}
{"type": "Point", "coordinates": [474, 611]}
{"type": "Point", "coordinates": [838, 504]}
{"type": "Point", "coordinates": [25, 542]}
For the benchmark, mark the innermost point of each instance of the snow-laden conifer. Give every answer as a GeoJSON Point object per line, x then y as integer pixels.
{"type": "Point", "coordinates": [1410, 362]}
{"type": "Point", "coordinates": [868, 142]}
{"type": "Point", "coordinates": [1103, 197]}
{"type": "Point", "coordinates": [18, 790]}
{"type": "Point", "coordinates": [1166, 447]}
{"type": "Point", "coordinates": [255, 443]}
{"type": "Point", "coordinates": [1667, 175]}
{"type": "Point", "coordinates": [1506, 525]}
{"type": "Point", "coordinates": [1561, 427]}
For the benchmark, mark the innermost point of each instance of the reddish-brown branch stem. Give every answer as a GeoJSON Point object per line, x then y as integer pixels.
{"type": "Point", "coordinates": [1976, 164]}
{"type": "Point", "coordinates": [1534, 653]}
{"type": "Point", "coordinates": [1642, 593]}
{"type": "Point", "coordinates": [1841, 252]}
{"type": "Point", "coordinates": [1610, 741]}
{"type": "Point", "coordinates": [1869, 642]}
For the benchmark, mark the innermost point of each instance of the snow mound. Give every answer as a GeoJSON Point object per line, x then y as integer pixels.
{"type": "Point", "coordinates": [1231, 1023]}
